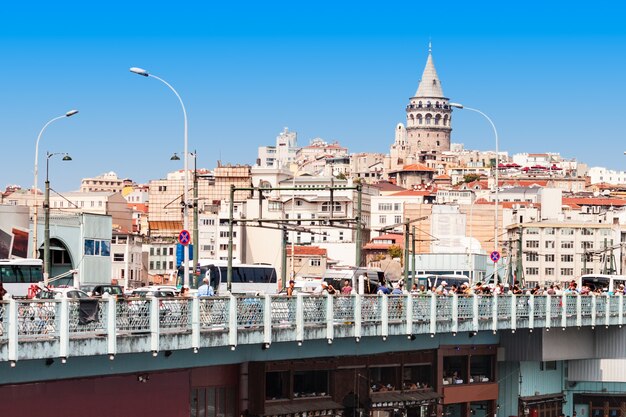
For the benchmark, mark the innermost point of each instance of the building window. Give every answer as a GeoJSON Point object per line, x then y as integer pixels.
{"type": "Point", "coordinates": [384, 206]}
{"type": "Point", "coordinates": [549, 258]}
{"type": "Point", "coordinates": [532, 271]}
{"type": "Point", "coordinates": [567, 244]}
{"type": "Point", "coordinates": [549, 230]}
{"type": "Point", "coordinates": [315, 262]}
{"type": "Point", "coordinates": [118, 257]}
{"type": "Point", "coordinates": [382, 219]}
{"type": "Point", "coordinates": [549, 271]}
{"type": "Point", "coordinates": [586, 244]}
{"type": "Point", "coordinates": [532, 257]}
{"type": "Point", "coordinates": [566, 231]}
{"type": "Point", "coordinates": [397, 219]}
{"type": "Point", "coordinates": [567, 258]}
{"type": "Point", "coordinates": [532, 243]}
{"type": "Point", "coordinates": [567, 271]}
{"type": "Point", "coordinates": [213, 401]}
{"type": "Point", "coordinates": [549, 244]}
{"type": "Point", "coordinates": [586, 232]}
{"type": "Point", "coordinates": [532, 231]}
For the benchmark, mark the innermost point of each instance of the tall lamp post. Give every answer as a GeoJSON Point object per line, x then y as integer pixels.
{"type": "Point", "coordinates": [496, 228]}
{"type": "Point", "coordinates": [35, 217]}
{"type": "Point", "coordinates": [46, 207]}
{"type": "Point", "coordinates": [185, 202]}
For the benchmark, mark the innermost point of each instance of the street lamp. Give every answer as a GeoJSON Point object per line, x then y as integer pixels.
{"type": "Point", "coordinates": [496, 229]}
{"type": "Point", "coordinates": [46, 206]}
{"type": "Point", "coordinates": [35, 218]}
{"type": "Point", "coordinates": [185, 203]}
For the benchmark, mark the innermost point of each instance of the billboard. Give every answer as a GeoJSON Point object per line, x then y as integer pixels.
{"type": "Point", "coordinates": [14, 231]}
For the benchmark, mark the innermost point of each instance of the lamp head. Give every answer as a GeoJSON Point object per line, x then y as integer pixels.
{"type": "Point", "coordinates": [457, 105]}
{"type": "Point", "coordinates": [66, 157]}
{"type": "Point", "coordinates": [175, 157]}
{"type": "Point", "coordinates": [139, 71]}
{"type": "Point", "coordinates": [71, 113]}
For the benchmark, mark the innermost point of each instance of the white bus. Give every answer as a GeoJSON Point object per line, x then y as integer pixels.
{"type": "Point", "coordinates": [603, 282]}
{"type": "Point", "coordinates": [247, 278]}
{"type": "Point", "coordinates": [17, 275]}
{"type": "Point", "coordinates": [433, 280]}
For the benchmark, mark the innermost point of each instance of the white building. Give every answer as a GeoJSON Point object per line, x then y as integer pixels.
{"type": "Point", "coordinates": [280, 155]}
{"type": "Point", "coordinates": [607, 176]}
{"type": "Point", "coordinates": [388, 210]}
{"type": "Point", "coordinates": [108, 182]}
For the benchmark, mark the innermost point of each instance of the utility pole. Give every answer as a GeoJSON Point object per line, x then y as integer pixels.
{"type": "Point", "coordinates": [359, 225]}
{"type": "Point", "coordinates": [406, 250]}
{"type": "Point", "coordinates": [196, 234]}
{"type": "Point", "coordinates": [283, 272]}
{"type": "Point", "coordinates": [412, 279]}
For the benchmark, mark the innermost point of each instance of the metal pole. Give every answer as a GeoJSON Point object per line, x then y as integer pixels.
{"type": "Point", "coordinates": [406, 250]}
{"type": "Point", "coordinates": [359, 224]}
{"type": "Point", "coordinates": [293, 215]}
{"type": "Point", "coordinates": [410, 283]}
{"type": "Point", "coordinates": [231, 211]}
{"type": "Point", "coordinates": [196, 234]}
{"type": "Point", "coordinates": [46, 237]}
{"type": "Point", "coordinates": [283, 272]}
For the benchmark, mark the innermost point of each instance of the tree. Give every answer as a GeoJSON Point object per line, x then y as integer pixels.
{"type": "Point", "coordinates": [395, 251]}
{"type": "Point", "coordinates": [467, 178]}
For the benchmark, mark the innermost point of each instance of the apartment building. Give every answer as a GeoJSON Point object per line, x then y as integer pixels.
{"type": "Point", "coordinates": [107, 182]}
{"type": "Point", "coordinates": [126, 262]}
{"type": "Point", "coordinates": [99, 202]}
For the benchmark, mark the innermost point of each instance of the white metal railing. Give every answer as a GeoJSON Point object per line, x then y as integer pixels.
{"type": "Point", "coordinates": [231, 319]}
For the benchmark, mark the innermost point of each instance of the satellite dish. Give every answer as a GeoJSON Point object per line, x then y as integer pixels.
{"type": "Point", "coordinates": [596, 193]}
{"type": "Point", "coordinates": [335, 173]}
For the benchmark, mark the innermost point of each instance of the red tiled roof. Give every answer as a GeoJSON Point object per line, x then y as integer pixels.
{"type": "Point", "coordinates": [387, 186]}
{"type": "Point", "coordinates": [307, 250]}
{"type": "Point", "coordinates": [412, 193]}
{"type": "Point", "coordinates": [594, 201]}
{"type": "Point", "coordinates": [138, 207]}
{"type": "Point", "coordinates": [442, 177]}
{"type": "Point", "coordinates": [388, 236]}
{"type": "Point", "coordinates": [417, 167]}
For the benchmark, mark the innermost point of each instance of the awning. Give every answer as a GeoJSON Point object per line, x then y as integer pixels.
{"type": "Point", "coordinates": [395, 398]}
{"type": "Point", "coordinates": [545, 398]}
{"type": "Point", "coordinates": [324, 405]}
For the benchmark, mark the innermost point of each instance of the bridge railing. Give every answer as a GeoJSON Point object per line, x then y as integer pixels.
{"type": "Point", "coordinates": [230, 320]}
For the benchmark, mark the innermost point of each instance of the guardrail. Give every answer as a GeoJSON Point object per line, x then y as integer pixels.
{"type": "Point", "coordinates": [229, 321]}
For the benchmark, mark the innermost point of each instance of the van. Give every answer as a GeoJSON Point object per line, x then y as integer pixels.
{"type": "Point", "coordinates": [373, 278]}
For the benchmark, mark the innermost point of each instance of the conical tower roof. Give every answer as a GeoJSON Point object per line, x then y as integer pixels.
{"type": "Point", "coordinates": [429, 86]}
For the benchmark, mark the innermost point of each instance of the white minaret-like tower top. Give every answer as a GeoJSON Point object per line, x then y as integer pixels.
{"type": "Point", "coordinates": [429, 85]}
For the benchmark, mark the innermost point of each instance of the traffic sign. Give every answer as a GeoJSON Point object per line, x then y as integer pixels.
{"type": "Point", "coordinates": [495, 256]}
{"type": "Point", "coordinates": [184, 237]}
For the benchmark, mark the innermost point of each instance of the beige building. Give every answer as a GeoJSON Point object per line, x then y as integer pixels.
{"type": "Point", "coordinates": [308, 262]}
{"type": "Point", "coordinates": [108, 182]}
{"type": "Point", "coordinates": [109, 203]}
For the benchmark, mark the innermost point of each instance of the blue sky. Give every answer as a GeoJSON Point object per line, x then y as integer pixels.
{"type": "Point", "coordinates": [549, 74]}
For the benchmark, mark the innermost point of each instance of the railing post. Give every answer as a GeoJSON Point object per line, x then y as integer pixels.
{"type": "Point", "coordinates": [232, 321]}
{"type": "Point", "coordinates": [357, 315]}
{"type": "Point", "coordinates": [513, 312]}
{"type": "Point", "coordinates": [195, 322]}
{"type": "Point", "coordinates": [299, 318]}
{"type": "Point", "coordinates": [409, 314]}
{"type": "Point", "coordinates": [455, 313]}
{"type": "Point", "coordinates": [620, 309]}
{"type": "Point", "coordinates": [564, 311]}
{"type": "Point", "coordinates": [593, 310]}
{"type": "Point", "coordinates": [64, 328]}
{"type": "Point", "coordinates": [433, 314]}
{"type": "Point", "coordinates": [579, 310]}
{"type": "Point", "coordinates": [154, 324]}
{"type": "Point", "coordinates": [384, 315]}
{"type": "Point", "coordinates": [330, 318]}
{"type": "Point", "coordinates": [111, 326]}
{"type": "Point", "coordinates": [494, 312]}
{"type": "Point", "coordinates": [531, 312]}
{"type": "Point", "coordinates": [548, 311]}
{"type": "Point", "coordinates": [607, 310]}
{"type": "Point", "coordinates": [475, 312]}
{"type": "Point", "coordinates": [13, 333]}
{"type": "Point", "coordinates": [267, 319]}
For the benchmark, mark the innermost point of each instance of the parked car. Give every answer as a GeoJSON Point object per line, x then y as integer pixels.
{"type": "Point", "coordinates": [70, 293]}
{"type": "Point", "coordinates": [114, 290]}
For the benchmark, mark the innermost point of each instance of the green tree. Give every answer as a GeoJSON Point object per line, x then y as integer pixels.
{"type": "Point", "coordinates": [395, 251]}
{"type": "Point", "coordinates": [471, 177]}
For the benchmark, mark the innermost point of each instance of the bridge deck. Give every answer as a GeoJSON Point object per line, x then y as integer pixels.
{"type": "Point", "coordinates": [33, 329]}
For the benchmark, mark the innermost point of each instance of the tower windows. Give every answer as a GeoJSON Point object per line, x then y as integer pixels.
{"type": "Point", "coordinates": [419, 119]}
{"type": "Point", "coordinates": [428, 104]}
{"type": "Point", "coordinates": [445, 120]}
{"type": "Point", "coordinates": [419, 104]}
{"type": "Point", "coordinates": [428, 118]}
{"type": "Point", "coordinates": [437, 143]}
{"type": "Point", "coordinates": [437, 120]}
